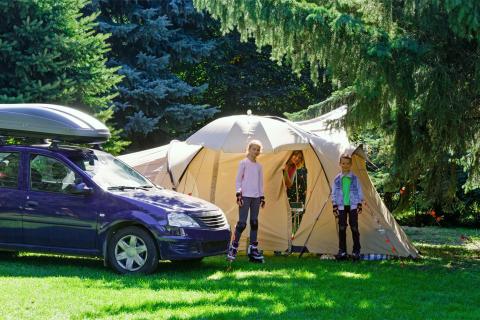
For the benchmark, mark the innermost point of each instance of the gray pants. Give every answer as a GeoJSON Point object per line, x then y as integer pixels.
{"type": "Point", "coordinates": [252, 205]}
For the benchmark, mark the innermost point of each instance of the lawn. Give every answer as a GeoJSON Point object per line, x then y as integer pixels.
{"type": "Point", "coordinates": [443, 285]}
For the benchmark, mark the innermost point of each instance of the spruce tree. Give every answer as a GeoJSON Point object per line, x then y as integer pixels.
{"type": "Point", "coordinates": [240, 78]}
{"type": "Point", "coordinates": [152, 41]}
{"type": "Point", "coordinates": [50, 53]}
{"type": "Point", "coordinates": [409, 69]}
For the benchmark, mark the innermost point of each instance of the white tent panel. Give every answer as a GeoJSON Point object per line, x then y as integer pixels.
{"type": "Point", "coordinates": [179, 156]}
{"type": "Point", "coordinates": [232, 134]}
{"type": "Point", "coordinates": [152, 163]}
{"type": "Point", "coordinates": [146, 156]}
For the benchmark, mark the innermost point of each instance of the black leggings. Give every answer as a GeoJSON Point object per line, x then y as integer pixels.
{"type": "Point", "coordinates": [342, 226]}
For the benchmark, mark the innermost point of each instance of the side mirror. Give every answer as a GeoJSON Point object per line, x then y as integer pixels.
{"type": "Point", "coordinates": [81, 187]}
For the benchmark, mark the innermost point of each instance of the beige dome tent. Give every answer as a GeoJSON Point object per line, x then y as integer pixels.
{"type": "Point", "coordinates": [206, 166]}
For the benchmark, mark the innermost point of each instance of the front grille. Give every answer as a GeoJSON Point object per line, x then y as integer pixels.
{"type": "Point", "coordinates": [215, 247]}
{"type": "Point", "coordinates": [192, 247]}
{"type": "Point", "coordinates": [212, 220]}
{"type": "Point", "coordinates": [184, 247]}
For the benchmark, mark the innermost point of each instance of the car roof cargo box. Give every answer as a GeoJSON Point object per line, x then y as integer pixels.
{"type": "Point", "coordinates": [48, 121]}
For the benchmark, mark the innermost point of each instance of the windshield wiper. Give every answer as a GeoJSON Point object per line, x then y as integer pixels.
{"type": "Point", "coordinates": [122, 188]}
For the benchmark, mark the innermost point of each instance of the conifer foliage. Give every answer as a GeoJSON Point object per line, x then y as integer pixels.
{"type": "Point", "coordinates": [241, 77]}
{"type": "Point", "coordinates": [151, 42]}
{"type": "Point", "coordinates": [50, 53]}
{"type": "Point", "coordinates": [408, 68]}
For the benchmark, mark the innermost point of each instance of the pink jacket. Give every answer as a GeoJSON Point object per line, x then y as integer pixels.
{"type": "Point", "coordinates": [249, 180]}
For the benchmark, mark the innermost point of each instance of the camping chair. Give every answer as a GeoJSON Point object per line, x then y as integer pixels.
{"type": "Point", "coordinates": [296, 209]}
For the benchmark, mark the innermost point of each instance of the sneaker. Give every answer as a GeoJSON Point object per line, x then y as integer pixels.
{"type": "Point", "coordinates": [254, 253]}
{"type": "Point", "coordinates": [341, 255]}
{"type": "Point", "coordinates": [232, 251]}
{"type": "Point", "coordinates": [356, 255]}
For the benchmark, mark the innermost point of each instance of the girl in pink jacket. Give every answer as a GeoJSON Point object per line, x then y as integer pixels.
{"type": "Point", "coordinates": [250, 197]}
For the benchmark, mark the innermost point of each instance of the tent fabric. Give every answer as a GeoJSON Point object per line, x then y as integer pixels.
{"type": "Point", "coordinates": [209, 173]}
{"type": "Point", "coordinates": [144, 157]}
{"type": "Point", "coordinates": [232, 134]}
{"type": "Point", "coordinates": [178, 158]}
{"type": "Point", "coordinates": [330, 121]}
{"type": "Point", "coordinates": [152, 163]}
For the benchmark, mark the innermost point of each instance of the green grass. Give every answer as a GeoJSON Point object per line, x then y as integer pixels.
{"type": "Point", "coordinates": [442, 285]}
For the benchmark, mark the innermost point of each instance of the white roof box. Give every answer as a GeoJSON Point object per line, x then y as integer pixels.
{"type": "Point", "coordinates": [50, 121]}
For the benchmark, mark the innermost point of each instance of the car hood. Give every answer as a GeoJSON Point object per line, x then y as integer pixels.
{"type": "Point", "coordinates": [169, 200]}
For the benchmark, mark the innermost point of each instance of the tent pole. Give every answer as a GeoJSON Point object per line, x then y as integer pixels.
{"type": "Point", "coordinates": [170, 175]}
{"type": "Point", "coordinates": [214, 177]}
{"type": "Point", "coordinates": [195, 178]}
{"type": "Point", "coordinates": [313, 227]}
{"type": "Point", "coordinates": [296, 185]}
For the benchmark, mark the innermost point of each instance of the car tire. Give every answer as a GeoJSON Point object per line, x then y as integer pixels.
{"type": "Point", "coordinates": [8, 254]}
{"type": "Point", "coordinates": [132, 250]}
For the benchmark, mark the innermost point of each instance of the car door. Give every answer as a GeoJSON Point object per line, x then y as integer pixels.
{"type": "Point", "coordinates": [11, 197]}
{"type": "Point", "coordinates": [55, 216]}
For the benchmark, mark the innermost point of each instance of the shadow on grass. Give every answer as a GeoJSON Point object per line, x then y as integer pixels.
{"type": "Point", "coordinates": [45, 265]}
{"type": "Point", "coordinates": [449, 256]}
{"type": "Point", "coordinates": [281, 288]}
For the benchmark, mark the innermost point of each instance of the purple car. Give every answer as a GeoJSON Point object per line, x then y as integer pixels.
{"type": "Point", "coordinates": [75, 200]}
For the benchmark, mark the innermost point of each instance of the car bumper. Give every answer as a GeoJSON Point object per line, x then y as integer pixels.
{"type": "Point", "coordinates": [194, 244]}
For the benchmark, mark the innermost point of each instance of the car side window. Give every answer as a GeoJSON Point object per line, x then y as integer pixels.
{"type": "Point", "coordinates": [9, 168]}
{"type": "Point", "coordinates": [51, 175]}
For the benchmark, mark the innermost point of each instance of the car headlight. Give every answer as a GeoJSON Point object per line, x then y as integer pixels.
{"type": "Point", "coordinates": [176, 219]}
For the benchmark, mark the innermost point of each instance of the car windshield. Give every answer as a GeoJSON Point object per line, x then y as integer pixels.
{"type": "Point", "coordinates": [109, 172]}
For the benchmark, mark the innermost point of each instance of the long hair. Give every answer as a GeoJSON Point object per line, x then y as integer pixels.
{"type": "Point", "coordinates": [296, 153]}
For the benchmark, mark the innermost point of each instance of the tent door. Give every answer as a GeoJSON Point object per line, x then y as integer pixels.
{"type": "Point", "coordinates": [297, 208]}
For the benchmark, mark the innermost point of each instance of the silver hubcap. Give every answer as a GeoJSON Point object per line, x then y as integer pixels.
{"type": "Point", "coordinates": [131, 253]}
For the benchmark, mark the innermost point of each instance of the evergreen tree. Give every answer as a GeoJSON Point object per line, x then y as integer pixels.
{"type": "Point", "coordinates": [152, 41]}
{"type": "Point", "coordinates": [49, 53]}
{"type": "Point", "coordinates": [407, 68]}
{"type": "Point", "coordinates": [240, 77]}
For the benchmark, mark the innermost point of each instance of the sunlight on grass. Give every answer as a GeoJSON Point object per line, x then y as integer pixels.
{"type": "Point", "coordinates": [279, 274]}
{"type": "Point", "coordinates": [246, 295]}
{"type": "Point", "coordinates": [352, 275]}
{"type": "Point", "coordinates": [364, 304]}
{"type": "Point", "coordinates": [474, 245]}
{"type": "Point", "coordinates": [441, 236]}
{"type": "Point", "coordinates": [279, 308]}
{"type": "Point", "coordinates": [219, 275]}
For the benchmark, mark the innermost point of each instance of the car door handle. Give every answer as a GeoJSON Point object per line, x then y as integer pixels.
{"type": "Point", "coordinates": [31, 205]}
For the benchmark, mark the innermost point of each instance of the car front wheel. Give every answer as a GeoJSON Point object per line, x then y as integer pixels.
{"type": "Point", "coordinates": [132, 250]}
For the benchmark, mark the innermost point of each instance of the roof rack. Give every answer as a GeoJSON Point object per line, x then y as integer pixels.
{"type": "Point", "coordinates": [47, 121]}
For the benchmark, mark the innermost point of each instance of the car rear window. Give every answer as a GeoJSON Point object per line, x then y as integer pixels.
{"type": "Point", "coordinates": [9, 169]}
